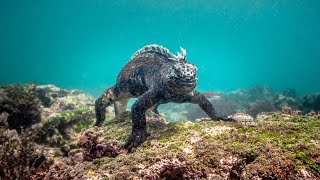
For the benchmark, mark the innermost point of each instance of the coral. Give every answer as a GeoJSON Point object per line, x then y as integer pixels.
{"type": "Point", "coordinates": [21, 105]}
{"type": "Point", "coordinates": [94, 148]}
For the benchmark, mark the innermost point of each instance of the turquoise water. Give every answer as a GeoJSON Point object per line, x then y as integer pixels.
{"type": "Point", "coordinates": [235, 43]}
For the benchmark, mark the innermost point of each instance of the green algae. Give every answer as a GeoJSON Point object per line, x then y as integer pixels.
{"type": "Point", "coordinates": [277, 148]}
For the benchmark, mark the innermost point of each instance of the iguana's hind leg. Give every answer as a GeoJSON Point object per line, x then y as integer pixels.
{"type": "Point", "coordinates": [120, 106]}
{"type": "Point", "coordinates": [106, 99]}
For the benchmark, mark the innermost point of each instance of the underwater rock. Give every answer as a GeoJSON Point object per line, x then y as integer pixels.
{"type": "Point", "coordinates": [57, 130]}
{"type": "Point", "coordinates": [20, 158]}
{"type": "Point", "coordinates": [310, 102]}
{"type": "Point", "coordinates": [290, 93]}
{"type": "Point", "coordinates": [167, 169]}
{"type": "Point", "coordinates": [54, 99]}
{"type": "Point", "coordinates": [244, 119]}
{"type": "Point", "coordinates": [261, 93]}
{"type": "Point", "coordinates": [282, 101]}
{"type": "Point", "coordinates": [201, 150]}
{"type": "Point", "coordinates": [4, 119]}
{"type": "Point", "coordinates": [264, 116]}
{"type": "Point", "coordinates": [237, 151]}
{"type": "Point", "coordinates": [238, 100]}
{"type": "Point", "coordinates": [241, 116]}
{"type": "Point", "coordinates": [286, 110]}
{"type": "Point", "coordinates": [21, 105]}
{"type": "Point", "coordinates": [253, 101]}
{"type": "Point", "coordinates": [296, 112]}
{"type": "Point", "coordinates": [156, 119]}
{"type": "Point", "coordinates": [64, 113]}
{"type": "Point", "coordinates": [47, 93]}
{"type": "Point", "coordinates": [312, 113]}
{"type": "Point", "coordinates": [261, 106]}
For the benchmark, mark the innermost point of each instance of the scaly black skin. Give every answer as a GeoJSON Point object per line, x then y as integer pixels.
{"type": "Point", "coordinates": [152, 79]}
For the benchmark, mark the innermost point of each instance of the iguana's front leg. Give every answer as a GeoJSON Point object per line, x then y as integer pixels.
{"type": "Point", "coordinates": [138, 110]}
{"type": "Point", "coordinates": [197, 98]}
{"type": "Point", "coordinates": [106, 99]}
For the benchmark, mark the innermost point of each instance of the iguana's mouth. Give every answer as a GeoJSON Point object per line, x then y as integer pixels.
{"type": "Point", "coordinates": [183, 83]}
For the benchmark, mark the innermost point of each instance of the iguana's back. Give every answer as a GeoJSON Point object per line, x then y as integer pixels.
{"type": "Point", "coordinates": [143, 71]}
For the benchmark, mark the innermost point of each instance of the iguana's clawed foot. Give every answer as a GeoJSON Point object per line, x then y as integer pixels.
{"type": "Point", "coordinates": [99, 124]}
{"type": "Point", "coordinates": [136, 139]}
{"type": "Point", "coordinates": [225, 119]}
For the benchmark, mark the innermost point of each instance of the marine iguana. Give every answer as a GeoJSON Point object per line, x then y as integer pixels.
{"type": "Point", "coordinates": [155, 76]}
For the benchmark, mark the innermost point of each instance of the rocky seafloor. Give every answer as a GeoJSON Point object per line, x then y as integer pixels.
{"type": "Point", "coordinates": [47, 133]}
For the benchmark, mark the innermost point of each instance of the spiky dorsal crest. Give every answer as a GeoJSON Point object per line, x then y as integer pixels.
{"type": "Point", "coordinates": [181, 56]}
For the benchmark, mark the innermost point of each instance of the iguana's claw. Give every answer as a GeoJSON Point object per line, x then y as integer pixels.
{"type": "Point", "coordinates": [135, 140]}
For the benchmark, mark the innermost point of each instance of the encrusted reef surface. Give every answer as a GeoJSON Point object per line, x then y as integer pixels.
{"type": "Point", "coordinates": [39, 124]}
{"type": "Point", "coordinates": [62, 144]}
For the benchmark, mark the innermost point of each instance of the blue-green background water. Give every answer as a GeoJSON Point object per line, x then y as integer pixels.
{"type": "Point", "coordinates": [236, 44]}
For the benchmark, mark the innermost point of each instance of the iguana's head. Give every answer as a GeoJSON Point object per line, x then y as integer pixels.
{"type": "Point", "coordinates": [182, 75]}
